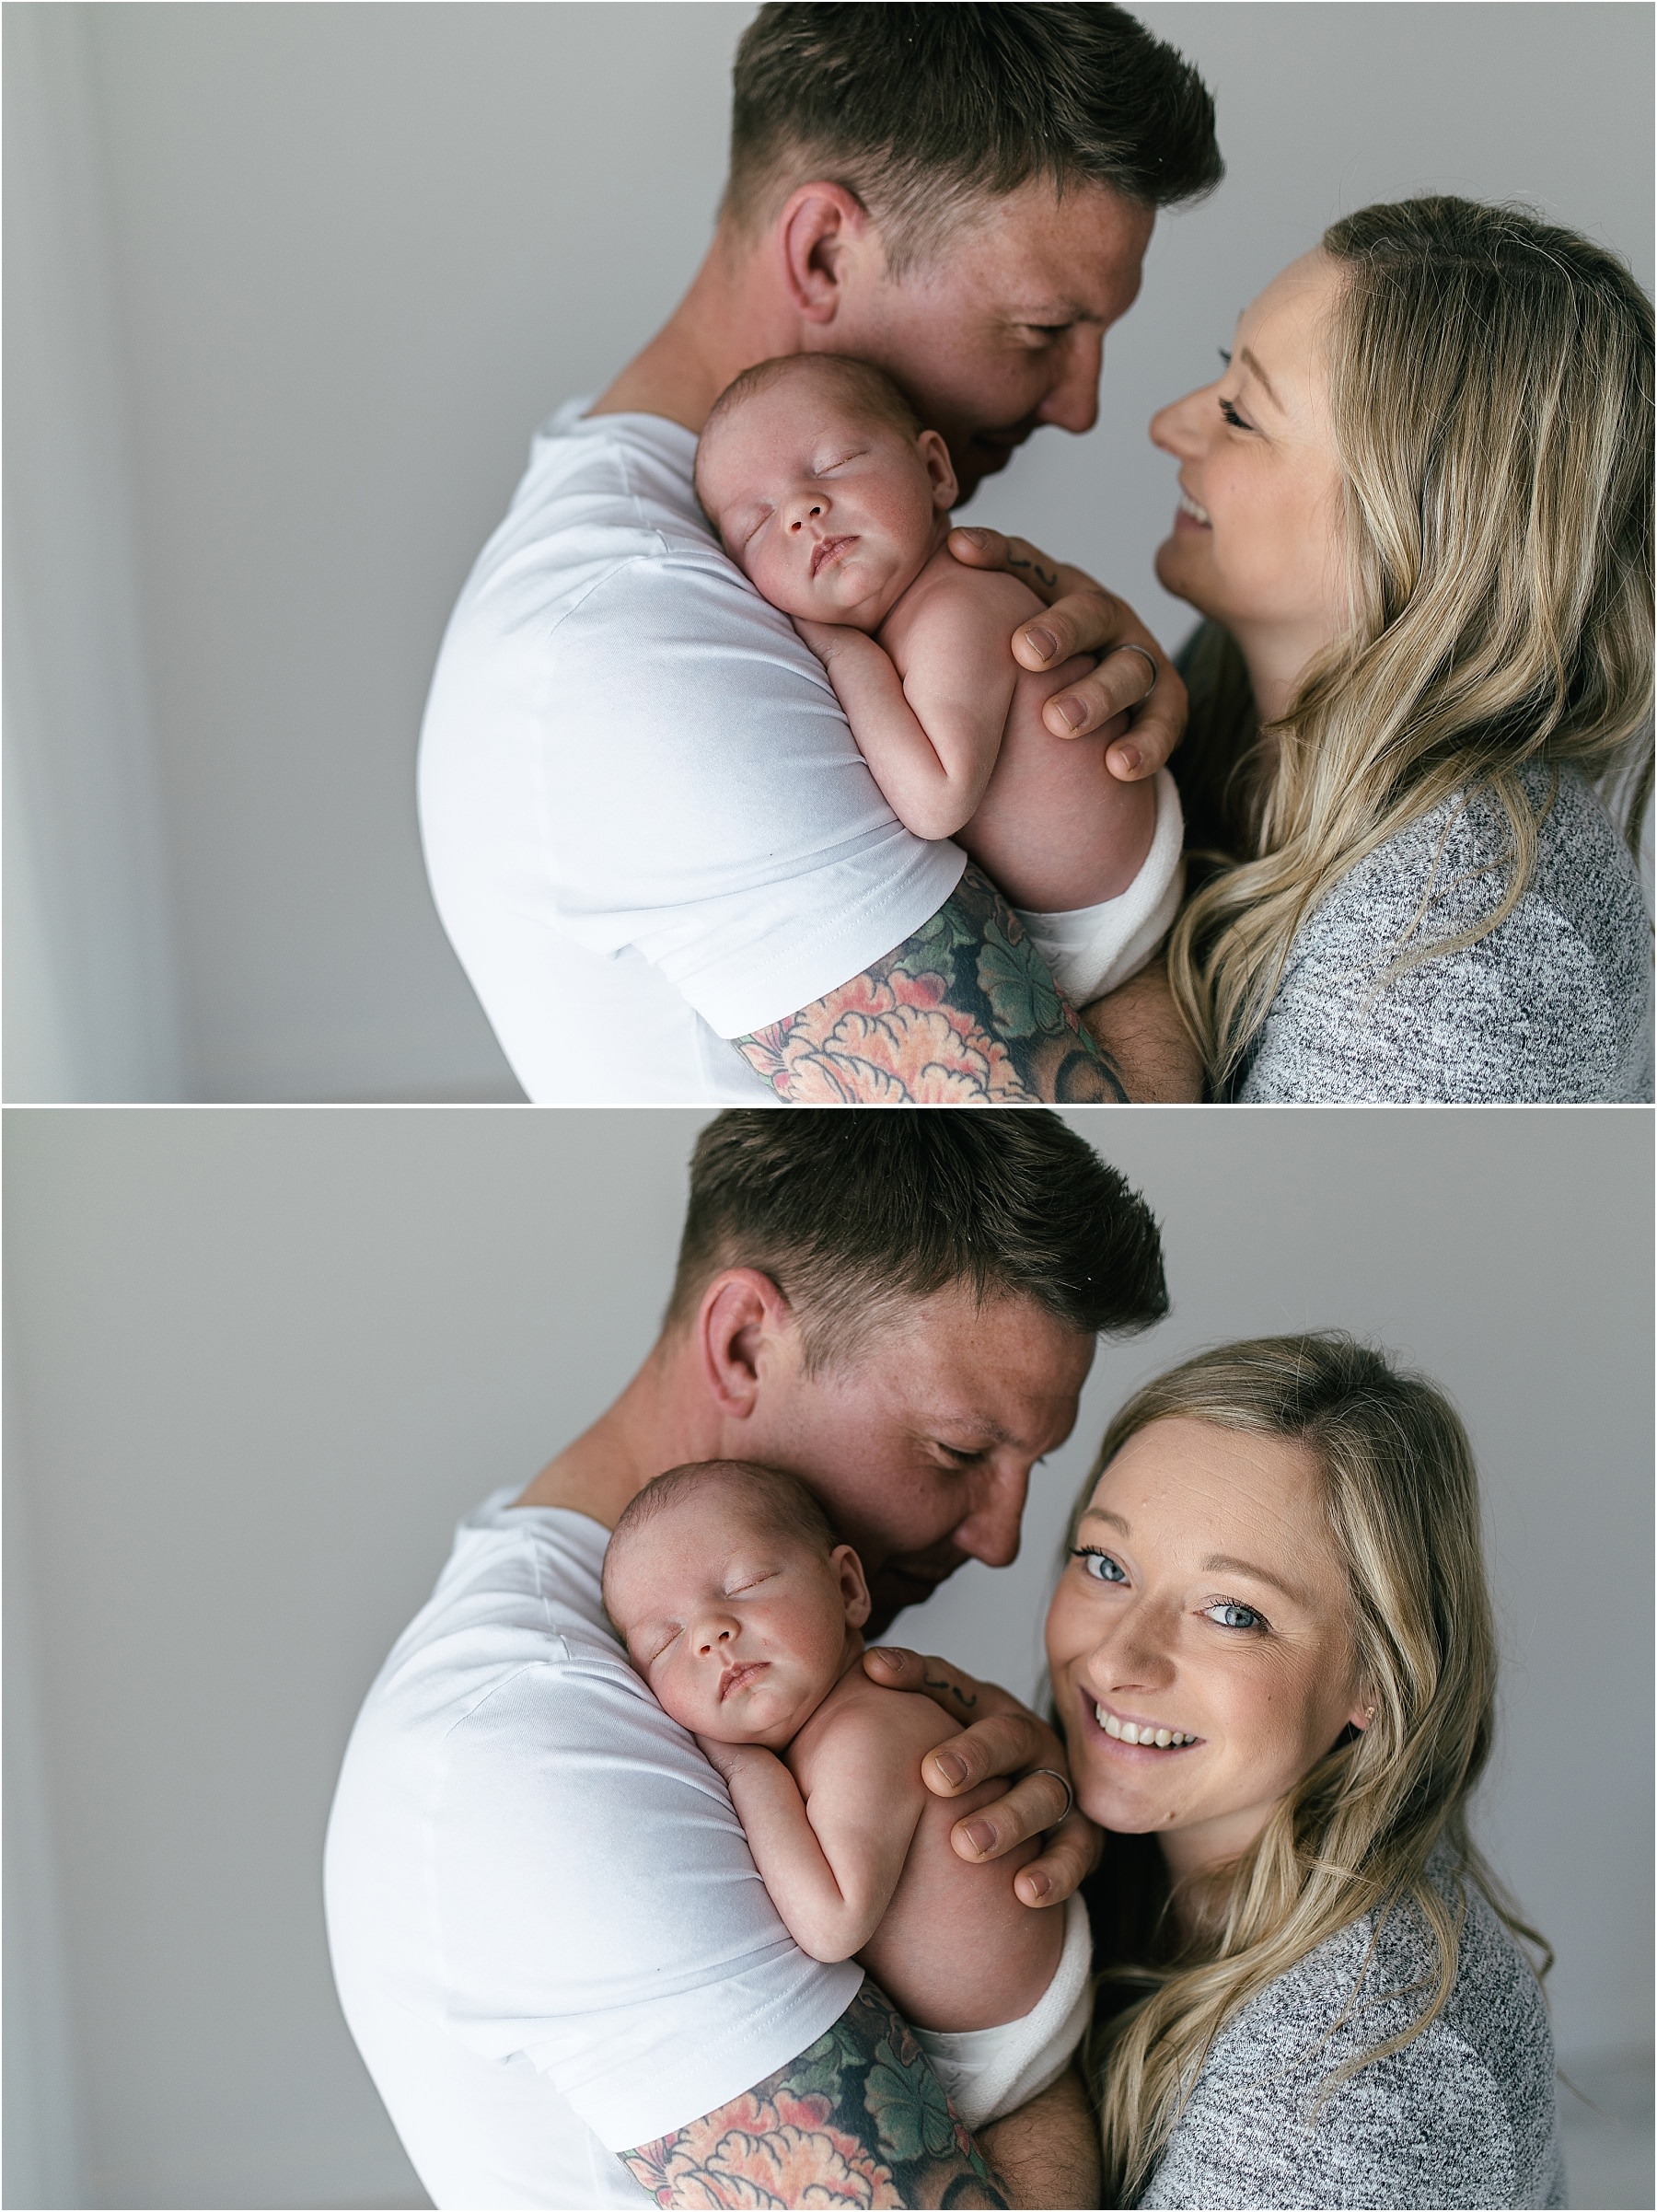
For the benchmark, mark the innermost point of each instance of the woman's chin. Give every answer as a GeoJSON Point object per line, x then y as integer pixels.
{"type": "Point", "coordinates": [1175, 570]}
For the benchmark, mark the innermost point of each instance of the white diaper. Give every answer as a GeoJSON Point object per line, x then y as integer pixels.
{"type": "Point", "coordinates": [1091, 949]}
{"type": "Point", "coordinates": [989, 2071]}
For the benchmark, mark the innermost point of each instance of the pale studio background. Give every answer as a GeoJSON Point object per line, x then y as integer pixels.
{"type": "Point", "coordinates": [261, 1362]}
{"type": "Point", "coordinates": [288, 288]}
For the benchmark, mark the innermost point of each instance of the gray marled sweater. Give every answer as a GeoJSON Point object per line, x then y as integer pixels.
{"type": "Point", "coordinates": [1463, 2114]}
{"type": "Point", "coordinates": [1552, 1007]}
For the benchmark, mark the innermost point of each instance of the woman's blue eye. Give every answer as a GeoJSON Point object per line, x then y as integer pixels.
{"type": "Point", "coordinates": [1100, 1565]}
{"type": "Point", "coordinates": [1228, 1616]}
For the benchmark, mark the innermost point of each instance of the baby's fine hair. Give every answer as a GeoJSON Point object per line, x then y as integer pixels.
{"type": "Point", "coordinates": [868, 392]}
{"type": "Point", "coordinates": [781, 1503]}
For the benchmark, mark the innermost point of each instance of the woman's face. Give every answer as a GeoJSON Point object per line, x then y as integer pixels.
{"type": "Point", "coordinates": [1257, 537]}
{"type": "Point", "coordinates": [1201, 1656]}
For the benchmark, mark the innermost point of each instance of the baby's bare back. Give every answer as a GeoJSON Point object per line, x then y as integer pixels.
{"type": "Point", "coordinates": [1055, 829]}
{"type": "Point", "coordinates": [956, 1948]}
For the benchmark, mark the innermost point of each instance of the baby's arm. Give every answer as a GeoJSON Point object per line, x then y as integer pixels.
{"type": "Point", "coordinates": [831, 1874]}
{"type": "Point", "coordinates": [930, 738]}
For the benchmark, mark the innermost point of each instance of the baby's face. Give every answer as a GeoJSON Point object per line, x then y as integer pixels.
{"type": "Point", "coordinates": [829, 513]}
{"type": "Point", "coordinates": [741, 1632]}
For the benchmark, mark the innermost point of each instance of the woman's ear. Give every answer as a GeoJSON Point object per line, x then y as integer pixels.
{"type": "Point", "coordinates": [935, 453]}
{"type": "Point", "coordinates": [854, 1590]}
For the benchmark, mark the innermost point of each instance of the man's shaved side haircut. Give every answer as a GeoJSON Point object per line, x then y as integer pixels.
{"type": "Point", "coordinates": [921, 112]}
{"type": "Point", "coordinates": [855, 1214]}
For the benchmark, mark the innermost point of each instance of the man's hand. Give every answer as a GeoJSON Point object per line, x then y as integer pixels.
{"type": "Point", "coordinates": [998, 1736]}
{"type": "Point", "coordinates": [1082, 616]}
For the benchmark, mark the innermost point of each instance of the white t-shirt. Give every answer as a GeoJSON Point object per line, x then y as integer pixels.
{"type": "Point", "coordinates": [549, 1937]}
{"type": "Point", "coordinates": [647, 827]}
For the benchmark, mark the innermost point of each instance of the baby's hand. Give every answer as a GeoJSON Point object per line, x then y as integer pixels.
{"type": "Point", "coordinates": [825, 639]}
{"type": "Point", "coordinates": [724, 1758]}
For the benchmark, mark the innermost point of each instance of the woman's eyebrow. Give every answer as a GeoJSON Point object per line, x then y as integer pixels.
{"type": "Point", "coordinates": [1252, 363]}
{"type": "Point", "coordinates": [1219, 1562]}
{"type": "Point", "coordinates": [1098, 1512]}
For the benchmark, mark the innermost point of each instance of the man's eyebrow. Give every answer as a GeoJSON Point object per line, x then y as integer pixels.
{"type": "Point", "coordinates": [1252, 363]}
{"type": "Point", "coordinates": [1223, 1563]}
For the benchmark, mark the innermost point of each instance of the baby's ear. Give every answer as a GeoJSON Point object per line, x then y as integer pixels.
{"type": "Point", "coordinates": [940, 469]}
{"type": "Point", "coordinates": [854, 1590]}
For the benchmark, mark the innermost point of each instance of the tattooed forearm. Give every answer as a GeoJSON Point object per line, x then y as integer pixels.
{"type": "Point", "coordinates": [858, 2119]}
{"type": "Point", "coordinates": [964, 1012]}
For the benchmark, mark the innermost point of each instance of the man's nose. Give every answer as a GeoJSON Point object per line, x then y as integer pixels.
{"type": "Point", "coordinates": [1074, 402]}
{"type": "Point", "coordinates": [990, 1530]}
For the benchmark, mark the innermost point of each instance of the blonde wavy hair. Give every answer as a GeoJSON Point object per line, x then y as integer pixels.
{"type": "Point", "coordinates": [1401, 1497]}
{"type": "Point", "coordinates": [1490, 385]}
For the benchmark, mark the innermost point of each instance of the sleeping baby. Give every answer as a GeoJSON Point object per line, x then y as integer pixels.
{"type": "Point", "coordinates": [743, 1615]}
{"type": "Point", "coordinates": [834, 500]}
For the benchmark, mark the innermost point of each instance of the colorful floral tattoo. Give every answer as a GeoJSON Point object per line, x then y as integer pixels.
{"type": "Point", "coordinates": [965, 1012]}
{"type": "Point", "coordinates": [858, 2119]}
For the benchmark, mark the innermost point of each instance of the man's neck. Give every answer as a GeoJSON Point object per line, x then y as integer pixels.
{"type": "Point", "coordinates": [662, 1419]}
{"type": "Point", "coordinates": [735, 314]}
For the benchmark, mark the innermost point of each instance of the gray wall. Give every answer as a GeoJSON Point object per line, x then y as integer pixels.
{"type": "Point", "coordinates": [290, 287]}
{"type": "Point", "coordinates": [263, 1362]}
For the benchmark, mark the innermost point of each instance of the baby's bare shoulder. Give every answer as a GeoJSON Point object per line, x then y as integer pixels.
{"type": "Point", "coordinates": [987, 593]}
{"type": "Point", "coordinates": [868, 1725]}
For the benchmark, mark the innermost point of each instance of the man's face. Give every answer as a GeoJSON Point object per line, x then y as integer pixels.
{"type": "Point", "coordinates": [920, 1443]}
{"type": "Point", "coordinates": [1005, 330]}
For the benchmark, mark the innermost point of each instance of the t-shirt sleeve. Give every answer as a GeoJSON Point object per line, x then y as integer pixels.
{"type": "Point", "coordinates": [1425, 2126]}
{"type": "Point", "coordinates": [1522, 1016]}
{"type": "Point", "coordinates": [599, 1912]}
{"type": "Point", "coordinates": [702, 800]}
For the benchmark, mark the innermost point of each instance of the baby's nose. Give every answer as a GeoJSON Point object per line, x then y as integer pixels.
{"type": "Point", "coordinates": [800, 520]}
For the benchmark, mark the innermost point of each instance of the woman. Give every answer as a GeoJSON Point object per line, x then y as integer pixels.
{"type": "Point", "coordinates": [1272, 1659]}
{"type": "Point", "coordinates": [1416, 511]}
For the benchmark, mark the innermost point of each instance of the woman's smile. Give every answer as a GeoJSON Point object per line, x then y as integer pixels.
{"type": "Point", "coordinates": [1124, 1735]}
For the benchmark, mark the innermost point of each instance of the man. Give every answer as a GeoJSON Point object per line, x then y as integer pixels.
{"type": "Point", "coordinates": [650, 835]}
{"type": "Point", "coordinates": [549, 1940]}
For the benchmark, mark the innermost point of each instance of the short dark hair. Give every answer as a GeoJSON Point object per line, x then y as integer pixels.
{"type": "Point", "coordinates": [852, 1212]}
{"type": "Point", "coordinates": [782, 1502]}
{"type": "Point", "coordinates": [921, 110]}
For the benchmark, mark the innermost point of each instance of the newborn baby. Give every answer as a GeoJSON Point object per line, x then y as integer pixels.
{"type": "Point", "coordinates": [834, 503]}
{"type": "Point", "coordinates": [743, 1615]}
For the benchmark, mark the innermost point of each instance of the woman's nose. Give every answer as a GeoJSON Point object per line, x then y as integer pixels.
{"type": "Point", "coordinates": [1175, 428]}
{"type": "Point", "coordinates": [1135, 1655]}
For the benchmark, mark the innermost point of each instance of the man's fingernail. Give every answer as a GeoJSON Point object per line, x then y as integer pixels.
{"type": "Point", "coordinates": [1044, 643]}
{"type": "Point", "coordinates": [978, 537]}
{"type": "Point", "coordinates": [979, 1835]}
{"type": "Point", "coordinates": [1070, 712]}
{"type": "Point", "coordinates": [1129, 756]}
{"type": "Point", "coordinates": [884, 1657]}
{"type": "Point", "coordinates": [951, 1766]}
{"type": "Point", "coordinates": [1037, 1885]}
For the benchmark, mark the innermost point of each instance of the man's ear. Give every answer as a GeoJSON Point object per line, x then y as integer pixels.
{"type": "Point", "coordinates": [940, 469]}
{"type": "Point", "coordinates": [853, 1588]}
{"type": "Point", "coordinates": [742, 1312]}
{"type": "Point", "coordinates": [822, 230]}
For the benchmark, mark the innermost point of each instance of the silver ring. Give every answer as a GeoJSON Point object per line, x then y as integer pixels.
{"type": "Point", "coordinates": [1150, 663]}
{"type": "Point", "coordinates": [1069, 1795]}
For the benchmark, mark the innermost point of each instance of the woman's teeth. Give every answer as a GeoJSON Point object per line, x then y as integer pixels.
{"type": "Point", "coordinates": [1162, 1738]}
{"type": "Point", "coordinates": [1187, 505]}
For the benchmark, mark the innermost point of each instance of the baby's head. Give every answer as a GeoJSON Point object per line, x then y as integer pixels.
{"type": "Point", "coordinates": [734, 1602]}
{"type": "Point", "coordinates": [824, 488]}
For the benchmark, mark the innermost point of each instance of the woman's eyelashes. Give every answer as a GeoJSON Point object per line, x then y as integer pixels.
{"type": "Point", "coordinates": [1100, 1566]}
{"type": "Point", "coordinates": [1233, 417]}
{"type": "Point", "coordinates": [1226, 1613]}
